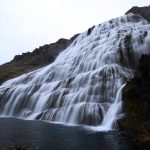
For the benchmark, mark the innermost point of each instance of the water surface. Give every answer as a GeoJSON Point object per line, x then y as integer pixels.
{"type": "Point", "coordinates": [37, 135]}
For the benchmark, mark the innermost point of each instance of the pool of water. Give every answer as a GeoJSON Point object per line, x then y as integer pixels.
{"type": "Point", "coordinates": [38, 135]}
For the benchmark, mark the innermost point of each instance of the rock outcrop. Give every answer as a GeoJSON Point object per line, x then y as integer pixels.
{"type": "Point", "coordinates": [136, 97]}
{"type": "Point", "coordinates": [30, 61]}
{"type": "Point", "coordinates": [142, 11]}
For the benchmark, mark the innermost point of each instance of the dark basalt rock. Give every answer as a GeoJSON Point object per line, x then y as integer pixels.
{"type": "Point", "coordinates": [136, 97]}
{"type": "Point", "coordinates": [90, 30]}
{"type": "Point", "coordinates": [30, 61]}
{"type": "Point", "coordinates": [142, 11]}
{"type": "Point", "coordinates": [144, 68]}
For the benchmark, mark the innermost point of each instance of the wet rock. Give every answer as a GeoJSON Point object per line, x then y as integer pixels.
{"type": "Point", "coordinates": [136, 97]}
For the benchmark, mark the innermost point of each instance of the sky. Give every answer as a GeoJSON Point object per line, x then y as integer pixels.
{"type": "Point", "coordinates": [28, 24]}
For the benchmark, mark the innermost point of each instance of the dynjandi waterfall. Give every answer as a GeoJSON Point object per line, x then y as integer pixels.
{"type": "Point", "coordinates": [83, 85]}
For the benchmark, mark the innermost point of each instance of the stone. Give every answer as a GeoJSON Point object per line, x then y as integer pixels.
{"type": "Point", "coordinates": [136, 98]}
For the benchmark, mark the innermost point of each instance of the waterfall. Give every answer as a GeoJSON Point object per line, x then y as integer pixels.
{"type": "Point", "coordinates": [83, 85]}
{"type": "Point", "coordinates": [114, 111]}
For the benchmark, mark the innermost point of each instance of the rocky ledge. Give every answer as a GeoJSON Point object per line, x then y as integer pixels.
{"type": "Point", "coordinates": [142, 11]}
{"type": "Point", "coordinates": [30, 61]}
{"type": "Point", "coordinates": [136, 97]}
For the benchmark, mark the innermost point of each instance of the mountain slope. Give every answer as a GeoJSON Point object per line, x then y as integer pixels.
{"type": "Point", "coordinates": [30, 61]}
{"type": "Point", "coordinates": [46, 54]}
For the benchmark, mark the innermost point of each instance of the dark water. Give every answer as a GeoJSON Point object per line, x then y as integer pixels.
{"type": "Point", "coordinates": [36, 135]}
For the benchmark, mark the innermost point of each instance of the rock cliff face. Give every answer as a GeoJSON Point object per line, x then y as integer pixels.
{"type": "Point", "coordinates": [136, 97]}
{"type": "Point", "coordinates": [142, 11]}
{"type": "Point", "coordinates": [30, 61]}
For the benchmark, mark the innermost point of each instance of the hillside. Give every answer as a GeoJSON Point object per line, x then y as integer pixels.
{"type": "Point", "coordinates": [30, 61]}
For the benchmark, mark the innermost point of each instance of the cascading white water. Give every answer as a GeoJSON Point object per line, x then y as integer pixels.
{"type": "Point", "coordinates": [114, 111]}
{"type": "Point", "coordinates": [81, 86]}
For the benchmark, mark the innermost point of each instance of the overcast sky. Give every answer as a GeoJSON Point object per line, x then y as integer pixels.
{"type": "Point", "coordinates": [28, 24]}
